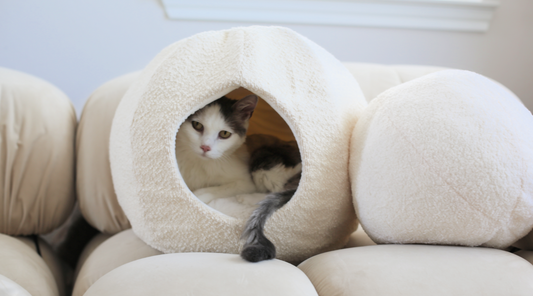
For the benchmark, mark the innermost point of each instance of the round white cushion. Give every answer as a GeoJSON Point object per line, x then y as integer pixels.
{"type": "Point", "coordinates": [419, 270]}
{"type": "Point", "coordinates": [315, 94]}
{"type": "Point", "coordinates": [444, 159]}
{"type": "Point", "coordinates": [203, 274]}
{"type": "Point", "coordinates": [94, 185]}
{"type": "Point", "coordinates": [9, 287]}
{"type": "Point", "coordinates": [121, 248]}
{"type": "Point", "coordinates": [37, 163]}
{"type": "Point", "coordinates": [54, 264]}
{"type": "Point", "coordinates": [89, 248]}
{"type": "Point", "coordinates": [24, 266]}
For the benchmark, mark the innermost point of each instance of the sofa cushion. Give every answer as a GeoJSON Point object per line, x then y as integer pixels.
{"type": "Point", "coordinates": [37, 155]}
{"type": "Point", "coordinates": [377, 78]}
{"type": "Point", "coordinates": [418, 270]}
{"type": "Point", "coordinates": [109, 254]}
{"type": "Point", "coordinates": [89, 248]}
{"type": "Point", "coordinates": [54, 264]}
{"type": "Point", "coordinates": [9, 287]}
{"type": "Point", "coordinates": [94, 185]}
{"type": "Point", "coordinates": [202, 274]}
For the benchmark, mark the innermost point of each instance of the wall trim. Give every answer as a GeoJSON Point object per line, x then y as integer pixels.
{"type": "Point", "coordinates": [455, 15]}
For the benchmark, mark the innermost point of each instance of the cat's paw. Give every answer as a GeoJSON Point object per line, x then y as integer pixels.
{"type": "Point", "coordinates": [205, 194]}
{"type": "Point", "coordinates": [250, 199]}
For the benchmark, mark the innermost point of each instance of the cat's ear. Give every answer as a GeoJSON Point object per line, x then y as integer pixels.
{"type": "Point", "coordinates": [246, 106]}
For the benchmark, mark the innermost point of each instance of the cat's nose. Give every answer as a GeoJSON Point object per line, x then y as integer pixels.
{"type": "Point", "coordinates": [205, 148]}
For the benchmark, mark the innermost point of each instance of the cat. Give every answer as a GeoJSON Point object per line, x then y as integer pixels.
{"type": "Point", "coordinates": [216, 160]}
{"type": "Point", "coordinates": [209, 149]}
{"type": "Point", "coordinates": [276, 169]}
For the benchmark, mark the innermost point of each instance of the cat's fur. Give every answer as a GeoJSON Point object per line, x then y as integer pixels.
{"type": "Point", "coordinates": [215, 167]}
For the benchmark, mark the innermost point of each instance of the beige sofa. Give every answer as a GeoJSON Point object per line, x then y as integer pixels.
{"type": "Point", "coordinates": [117, 262]}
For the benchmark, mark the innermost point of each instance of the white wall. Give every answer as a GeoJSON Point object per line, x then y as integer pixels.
{"type": "Point", "coordinates": [78, 45]}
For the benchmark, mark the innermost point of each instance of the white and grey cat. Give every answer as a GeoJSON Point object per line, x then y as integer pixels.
{"type": "Point", "coordinates": [215, 161]}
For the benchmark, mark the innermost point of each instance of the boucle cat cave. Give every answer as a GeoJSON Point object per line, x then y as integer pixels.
{"type": "Point", "coordinates": [312, 91]}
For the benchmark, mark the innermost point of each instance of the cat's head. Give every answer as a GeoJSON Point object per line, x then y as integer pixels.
{"type": "Point", "coordinates": [219, 128]}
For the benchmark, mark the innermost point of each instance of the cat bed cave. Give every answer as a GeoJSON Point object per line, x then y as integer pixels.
{"type": "Point", "coordinates": [312, 91]}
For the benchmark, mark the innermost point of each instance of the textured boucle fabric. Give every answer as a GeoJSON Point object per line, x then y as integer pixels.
{"type": "Point", "coordinates": [307, 86]}
{"type": "Point", "coordinates": [444, 159]}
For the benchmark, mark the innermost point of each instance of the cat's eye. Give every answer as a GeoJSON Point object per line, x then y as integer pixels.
{"type": "Point", "coordinates": [197, 126]}
{"type": "Point", "coordinates": [224, 134]}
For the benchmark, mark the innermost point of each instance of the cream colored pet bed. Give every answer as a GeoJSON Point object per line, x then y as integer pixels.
{"type": "Point", "coordinates": [311, 90]}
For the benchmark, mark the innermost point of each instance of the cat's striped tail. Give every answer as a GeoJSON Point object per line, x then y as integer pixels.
{"type": "Point", "coordinates": [257, 247]}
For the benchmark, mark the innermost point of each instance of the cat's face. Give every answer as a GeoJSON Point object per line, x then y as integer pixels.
{"type": "Point", "coordinates": [217, 129]}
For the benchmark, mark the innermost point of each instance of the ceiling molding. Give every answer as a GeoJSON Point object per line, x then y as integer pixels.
{"type": "Point", "coordinates": [455, 15]}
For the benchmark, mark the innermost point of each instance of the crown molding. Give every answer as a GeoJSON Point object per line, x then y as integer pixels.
{"type": "Point", "coordinates": [455, 15]}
